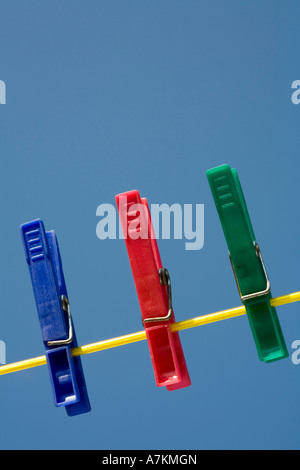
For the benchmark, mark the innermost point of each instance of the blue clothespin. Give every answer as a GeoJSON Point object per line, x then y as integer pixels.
{"type": "Point", "coordinates": [66, 373]}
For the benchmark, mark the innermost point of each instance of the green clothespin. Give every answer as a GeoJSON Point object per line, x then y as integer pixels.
{"type": "Point", "coordinates": [247, 263]}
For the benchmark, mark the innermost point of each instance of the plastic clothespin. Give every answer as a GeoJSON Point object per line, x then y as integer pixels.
{"type": "Point", "coordinates": [247, 263]}
{"type": "Point", "coordinates": [153, 286]}
{"type": "Point", "coordinates": [66, 373]}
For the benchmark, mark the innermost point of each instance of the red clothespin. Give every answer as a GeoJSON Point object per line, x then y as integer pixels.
{"type": "Point", "coordinates": [153, 286]}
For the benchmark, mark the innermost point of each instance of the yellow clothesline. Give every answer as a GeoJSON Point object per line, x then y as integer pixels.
{"type": "Point", "coordinates": [141, 335]}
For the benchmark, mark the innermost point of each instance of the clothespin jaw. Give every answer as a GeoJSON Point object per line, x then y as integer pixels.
{"type": "Point", "coordinates": [58, 334]}
{"type": "Point", "coordinates": [153, 287]}
{"type": "Point", "coordinates": [247, 263]}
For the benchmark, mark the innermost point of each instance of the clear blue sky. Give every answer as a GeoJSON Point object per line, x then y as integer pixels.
{"type": "Point", "coordinates": [108, 96]}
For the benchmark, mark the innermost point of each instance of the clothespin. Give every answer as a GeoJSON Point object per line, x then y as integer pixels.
{"type": "Point", "coordinates": [66, 373]}
{"type": "Point", "coordinates": [247, 263]}
{"type": "Point", "coordinates": [153, 286]}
